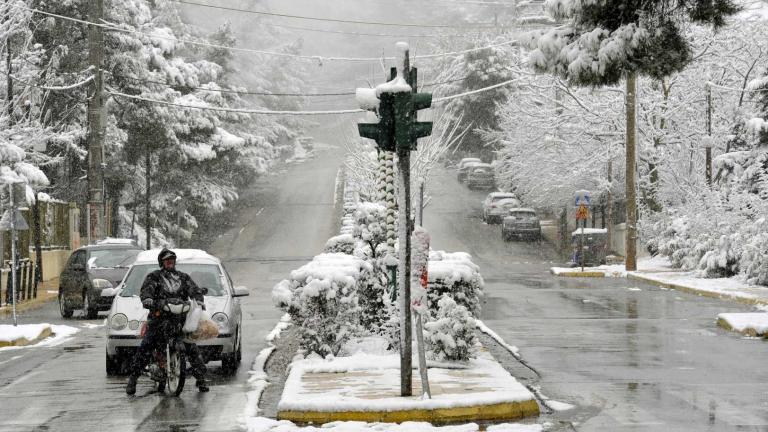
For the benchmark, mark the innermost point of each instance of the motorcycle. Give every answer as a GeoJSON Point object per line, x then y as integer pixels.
{"type": "Point", "coordinates": [168, 367]}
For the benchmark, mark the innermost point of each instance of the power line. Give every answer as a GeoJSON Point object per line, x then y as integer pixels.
{"type": "Point", "coordinates": [334, 20]}
{"type": "Point", "coordinates": [297, 113]}
{"type": "Point", "coordinates": [265, 93]}
{"type": "Point", "coordinates": [318, 58]}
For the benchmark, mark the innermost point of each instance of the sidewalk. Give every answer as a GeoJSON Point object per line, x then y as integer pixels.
{"type": "Point", "coordinates": [46, 292]}
{"type": "Point", "coordinates": [366, 387]}
{"type": "Point", "coordinates": [659, 272]}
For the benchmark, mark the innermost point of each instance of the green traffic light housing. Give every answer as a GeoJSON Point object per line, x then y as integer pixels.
{"type": "Point", "coordinates": [382, 132]}
{"type": "Point", "coordinates": [407, 128]}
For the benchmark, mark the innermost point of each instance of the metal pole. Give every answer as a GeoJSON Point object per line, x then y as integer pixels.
{"type": "Point", "coordinates": [404, 272]}
{"type": "Point", "coordinates": [708, 150]}
{"type": "Point", "coordinates": [422, 358]}
{"type": "Point", "coordinates": [581, 250]}
{"type": "Point", "coordinates": [421, 203]}
{"type": "Point", "coordinates": [14, 259]}
{"type": "Point", "coordinates": [148, 222]}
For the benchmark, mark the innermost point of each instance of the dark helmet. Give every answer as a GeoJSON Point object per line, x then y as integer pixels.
{"type": "Point", "coordinates": [164, 255]}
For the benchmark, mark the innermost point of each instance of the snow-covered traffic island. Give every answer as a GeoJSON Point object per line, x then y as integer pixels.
{"type": "Point", "coordinates": [32, 334]}
{"type": "Point", "coordinates": [347, 322]}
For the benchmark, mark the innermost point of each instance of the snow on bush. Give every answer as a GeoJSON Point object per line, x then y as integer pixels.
{"type": "Point", "coordinates": [456, 275]}
{"type": "Point", "coordinates": [370, 233]}
{"type": "Point", "coordinates": [343, 243]}
{"type": "Point", "coordinates": [451, 335]}
{"type": "Point", "coordinates": [322, 299]}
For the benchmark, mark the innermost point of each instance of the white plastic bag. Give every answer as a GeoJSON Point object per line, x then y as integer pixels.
{"type": "Point", "coordinates": [193, 317]}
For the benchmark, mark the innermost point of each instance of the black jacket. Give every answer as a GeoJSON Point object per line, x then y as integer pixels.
{"type": "Point", "coordinates": [164, 284]}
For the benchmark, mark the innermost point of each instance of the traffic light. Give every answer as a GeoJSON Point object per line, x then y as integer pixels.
{"type": "Point", "coordinates": [407, 127]}
{"type": "Point", "coordinates": [383, 131]}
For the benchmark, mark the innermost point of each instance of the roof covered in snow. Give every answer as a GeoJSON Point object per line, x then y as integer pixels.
{"type": "Point", "coordinates": [182, 256]}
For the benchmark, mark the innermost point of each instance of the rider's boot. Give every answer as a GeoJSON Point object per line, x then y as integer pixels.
{"type": "Point", "coordinates": [130, 388]}
{"type": "Point", "coordinates": [201, 386]}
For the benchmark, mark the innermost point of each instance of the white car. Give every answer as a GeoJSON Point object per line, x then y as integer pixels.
{"type": "Point", "coordinates": [127, 315]}
{"type": "Point", "coordinates": [493, 210]}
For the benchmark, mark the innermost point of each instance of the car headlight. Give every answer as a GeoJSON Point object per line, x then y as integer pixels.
{"type": "Point", "coordinates": [221, 320]}
{"type": "Point", "coordinates": [133, 325]}
{"type": "Point", "coordinates": [118, 322]}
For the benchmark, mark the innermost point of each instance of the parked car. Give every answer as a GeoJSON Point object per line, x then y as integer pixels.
{"type": "Point", "coordinates": [481, 176]}
{"type": "Point", "coordinates": [491, 202]}
{"type": "Point", "coordinates": [222, 302]}
{"type": "Point", "coordinates": [84, 275]}
{"type": "Point", "coordinates": [521, 223]}
{"type": "Point", "coordinates": [500, 209]}
{"type": "Point", "coordinates": [463, 167]}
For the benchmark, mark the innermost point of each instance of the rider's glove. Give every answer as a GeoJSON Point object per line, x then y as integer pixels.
{"type": "Point", "coordinates": [147, 303]}
{"type": "Point", "coordinates": [159, 303]}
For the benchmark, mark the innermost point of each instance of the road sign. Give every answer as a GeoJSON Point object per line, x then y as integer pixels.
{"type": "Point", "coordinates": [19, 224]}
{"type": "Point", "coordinates": [582, 213]}
{"type": "Point", "coordinates": [583, 197]}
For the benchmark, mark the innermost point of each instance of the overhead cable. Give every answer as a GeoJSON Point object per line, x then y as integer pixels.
{"type": "Point", "coordinates": [334, 20]}
{"type": "Point", "coordinates": [317, 58]}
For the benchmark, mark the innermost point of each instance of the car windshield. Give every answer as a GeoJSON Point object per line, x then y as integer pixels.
{"type": "Point", "coordinates": [205, 275]}
{"type": "Point", "coordinates": [110, 258]}
{"type": "Point", "coordinates": [524, 215]}
{"type": "Point", "coordinates": [498, 198]}
{"type": "Point", "coordinates": [509, 203]}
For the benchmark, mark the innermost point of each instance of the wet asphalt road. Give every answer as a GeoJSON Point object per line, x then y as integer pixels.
{"type": "Point", "coordinates": [65, 388]}
{"type": "Point", "coordinates": [632, 357]}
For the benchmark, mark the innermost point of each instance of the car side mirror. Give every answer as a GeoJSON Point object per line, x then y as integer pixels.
{"type": "Point", "coordinates": [107, 290]}
{"type": "Point", "coordinates": [241, 291]}
{"type": "Point", "coordinates": [204, 290]}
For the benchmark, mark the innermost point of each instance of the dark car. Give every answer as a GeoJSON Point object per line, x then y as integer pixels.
{"type": "Point", "coordinates": [521, 223]}
{"type": "Point", "coordinates": [481, 176]}
{"type": "Point", "coordinates": [81, 281]}
{"type": "Point", "coordinates": [463, 168]}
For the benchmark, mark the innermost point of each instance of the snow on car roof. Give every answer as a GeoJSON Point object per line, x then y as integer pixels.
{"type": "Point", "coordinates": [182, 255]}
{"type": "Point", "coordinates": [522, 209]}
{"type": "Point", "coordinates": [511, 200]}
{"type": "Point", "coordinates": [471, 159]}
{"type": "Point", "coordinates": [501, 194]}
{"type": "Point", "coordinates": [113, 240]}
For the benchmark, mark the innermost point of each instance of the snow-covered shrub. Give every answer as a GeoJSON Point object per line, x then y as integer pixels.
{"type": "Point", "coordinates": [322, 299]}
{"type": "Point", "coordinates": [457, 276]}
{"type": "Point", "coordinates": [451, 335]}
{"type": "Point", "coordinates": [370, 232]}
{"type": "Point", "coordinates": [343, 243]}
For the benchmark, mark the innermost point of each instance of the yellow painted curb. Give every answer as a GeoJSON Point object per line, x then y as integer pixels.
{"type": "Point", "coordinates": [585, 274]}
{"type": "Point", "coordinates": [703, 293]}
{"type": "Point", "coordinates": [495, 412]}
{"type": "Point", "coordinates": [24, 341]}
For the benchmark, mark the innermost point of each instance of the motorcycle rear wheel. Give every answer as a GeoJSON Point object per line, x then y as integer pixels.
{"type": "Point", "coordinates": [175, 369]}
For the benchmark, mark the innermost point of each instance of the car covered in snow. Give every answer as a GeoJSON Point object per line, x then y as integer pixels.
{"type": "Point", "coordinates": [500, 209]}
{"type": "Point", "coordinates": [87, 272]}
{"type": "Point", "coordinates": [463, 167]}
{"type": "Point", "coordinates": [481, 176]}
{"type": "Point", "coordinates": [521, 223]}
{"type": "Point", "coordinates": [222, 302]}
{"type": "Point", "coordinates": [491, 206]}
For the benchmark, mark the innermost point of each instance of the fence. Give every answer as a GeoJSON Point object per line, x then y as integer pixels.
{"type": "Point", "coordinates": [26, 288]}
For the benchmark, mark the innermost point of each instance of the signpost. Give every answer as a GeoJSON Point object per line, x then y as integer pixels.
{"type": "Point", "coordinates": [14, 222]}
{"type": "Point", "coordinates": [419, 283]}
{"type": "Point", "coordinates": [583, 199]}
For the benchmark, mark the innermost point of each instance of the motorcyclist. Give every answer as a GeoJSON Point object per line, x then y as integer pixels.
{"type": "Point", "coordinates": [158, 287]}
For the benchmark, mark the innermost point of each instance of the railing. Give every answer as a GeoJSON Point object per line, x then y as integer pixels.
{"type": "Point", "coordinates": [26, 288]}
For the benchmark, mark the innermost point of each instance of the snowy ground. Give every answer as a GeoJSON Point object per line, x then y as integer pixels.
{"type": "Point", "coordinates": [262, 424]}
{"type": "Point", "coordinates": [645, 264]}
{"type": "Point", "coordinates": [10, 333]}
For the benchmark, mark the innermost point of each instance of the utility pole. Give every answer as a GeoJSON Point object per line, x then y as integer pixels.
{"type": "Point", "coordinates": [148, 195]}
{"type": "Point", "coordinates": [609, 224]}
{"type": "Point", "coordinates": [631, 238]}
{"type": "Point", "coordinates": [96, 123]}
{"type": "Point", "coordinates": [708, 144]}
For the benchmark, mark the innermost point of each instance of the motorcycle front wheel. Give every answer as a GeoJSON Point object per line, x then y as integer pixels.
{"type": "Point", "coordinates": [175, 369]}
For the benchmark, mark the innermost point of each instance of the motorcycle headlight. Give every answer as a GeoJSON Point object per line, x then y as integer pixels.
{"type": "Point", "coordinates": [118, 322]}
{"type": "Point", "coordinates": [221, 320]}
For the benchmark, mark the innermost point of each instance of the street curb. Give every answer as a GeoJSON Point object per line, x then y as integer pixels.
{"type": "Point", "coordinates": [703, 293]}
{"type": "Point", "coordinates": [47, 332]}
{"type": "Point", "coordinates": [27, 305]}
{"type": "Point", "coordinates": [501, 411]}
{"type": "Point", "coordinates": [746, 332]}
{"type": "Point", "coordinates": [585, 274]}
